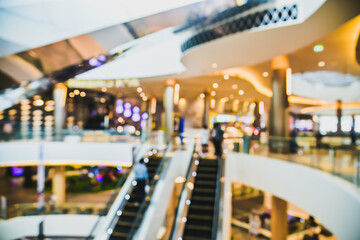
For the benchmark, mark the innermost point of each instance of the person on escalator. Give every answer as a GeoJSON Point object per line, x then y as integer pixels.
{"type": "Point", "coordinates": [142, 179]}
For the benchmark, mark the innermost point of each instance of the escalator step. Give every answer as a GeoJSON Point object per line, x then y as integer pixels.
{"type": "Point", "coordinates": [200, 217]}
{"type": "Point", "coordinates": [196, 232]}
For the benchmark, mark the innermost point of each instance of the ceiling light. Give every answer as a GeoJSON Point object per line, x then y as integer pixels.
{"type": "Point", "coordinates": [321, 64]}
{"type": "Point", "coordinates": [71, 94]}
{"type": "Point", "coordinates": [202, 95]}
{"type": "Point", "coordinates": [231, 96]}
{"type": "Point", "coordinates": [234, 86]}
{"type": "Point", "coordinates": [214, 65]}
{"type": "Point", "coordinates": [76, 92]}
{"type": "Point", "coordinates": [142, 94]}
{"type": "Point", "coordinates": [241, 92]}
{"type": "Point", "coordinates": [82, 94]}
{"type": "Point", "coordinates": [104, 89]}
{"type": "Point", "coordinates": [318, 48]}
{"type": "Point", "coordinates": [265, 74]}
{"type": "Point", "coordinates": [213, 93]}
{"type": "Point", "coordinates": [215, 85]}
{"type": "Point", "coordinates": [139, 89]}
{"type": "Point", "coordinates": [226, 77]}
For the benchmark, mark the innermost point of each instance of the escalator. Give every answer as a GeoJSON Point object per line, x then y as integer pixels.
{"type": "Point", "coordinates": [131, 211]}
{"type": "Point", "coordinates": [200, 218]}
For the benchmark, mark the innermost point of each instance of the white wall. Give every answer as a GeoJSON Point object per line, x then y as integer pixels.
{"type": "Point", "coordinates": [30, 153]}
{"type": "Point", "coordinates": [54, 225]}
{"type": "Point", "coordinates": [332, 200]}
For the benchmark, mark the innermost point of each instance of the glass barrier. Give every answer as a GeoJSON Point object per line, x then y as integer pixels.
{"type": "Point", "coordinates": [341, 160]}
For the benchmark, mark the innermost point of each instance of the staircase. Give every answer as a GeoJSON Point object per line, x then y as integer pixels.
{"type": "Point", "coordinates": [127, 219]}
{"type": "Point", "coordinates": [201, 211]}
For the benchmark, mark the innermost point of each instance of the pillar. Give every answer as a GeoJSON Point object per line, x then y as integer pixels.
{"type": "Point", "coordinates": [59, 184]}
{"type": "Point", "coordinates": [40, 186]}
{"type": "Point", "coordinates": [206, 109]}
{"type": "Point", "coordinates": [59, 94]}
{"type": "Point", "coordinates": [169, 109]}
{"type": "Point", "coordinates": [339, 115]}
{"type": "Point", "coordinates": [279, 103]}
{"type": "Point", "coordinates": [151, 111]}
{"type": "Point", "coordinates": [279, 223]}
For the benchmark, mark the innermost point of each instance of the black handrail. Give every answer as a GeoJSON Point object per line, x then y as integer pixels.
{"type": "Point", "coordinates": [152, 186]}
{"type": "Point", "coordinates": [217, 197]}
{"type": "Point", "coordinates": [109, 202]}
{"type": "Point", "coordinates": [188, 175]}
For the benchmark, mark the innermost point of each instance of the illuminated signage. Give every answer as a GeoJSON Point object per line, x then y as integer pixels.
{"type": "Point", "coordinates": [116, 83]}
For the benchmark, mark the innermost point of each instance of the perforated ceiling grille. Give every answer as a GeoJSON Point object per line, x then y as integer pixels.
{"type": "Point", "coordinates": [257, 19]}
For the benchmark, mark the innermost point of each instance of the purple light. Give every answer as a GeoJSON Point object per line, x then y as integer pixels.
{"type": "Point", "coordinates": [135, 117]}
{"type": "Point", "coordinates": [94, 62]}
{"type": "Point", "coordinates": [145, 115]}
{"type": "Point", "coordinates": [101, 58]}
{"type": "Point", "coordinates": [119, 169]}
{"type": "Point", "coordinates": [127, 112]}
{"type": "Point", "coordinates": [136, 109]}
{"type": "Point", "coordinates": [143, 124]}
{"type": "Point", "coordinates": [99, 178]}
{"type": "Point", "coordinates": [119, 106]}
{"type": "Point", "coordinates": [17, 171]}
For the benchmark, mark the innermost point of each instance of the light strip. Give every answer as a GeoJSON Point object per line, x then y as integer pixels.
{"type": "Point", "coordinates": [332, 106]}
{"type": "Point", "coordinates": [303, 100]}
{"type": "Point", "coordinates": [153, 105]}
{"type": "Point", "coordinates": [261, 108]}
{"type": "Point", "coordinates": [288, 82]}
{"type": "Point", "coordinates": [176, 94]}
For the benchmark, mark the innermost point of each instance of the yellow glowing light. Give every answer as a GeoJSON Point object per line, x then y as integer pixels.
{"type": "Point", "coordinates": [36, 97]}
{"type": "Point", "coordinates": [213, 93]}
{"type": "Point", "coordinates": [265, 74]}
{"type": "Point", "coordinates": [241, 92]}
{"type": "Point", "coordinates": [103, 89]}
{"type": "Point", "coordinates": [26, 112]}
{"type": "Point", "coordinates": [226, 77]}
{"type": "Point", "coordinates": [102, 100]}
{"type": "Point", "coordinates": [38, 102]}
{"type": "Point", "coordinates": [71, 94]}
{"type": "Point", "coordinates": [215, 85]}
{"type": "Point", "coordinates": [49, 108]}
{"type": "Point", "coordinates": [190, 185]}
{"type": "Point", "coordinates": [321, 64]}
{"type": "Point", "coordinates": [120, 129]}
{"type": "Point", "coordinates": [249, 77]}
{"type": "Point", "coordinates": [25, 107]}
{"type": "Point", "coordinates": [76, 92]}
{"type": "Point", "coordinates": [25, 102]}
{"type": "Point", "coordinates": [50, 103]}
{"type": "Point", "coordinates": [182, 101]}
{"type": "Point", "coordinates": [137, 132]}
{"type": "Point", "coordinates": [214, 65]}
{"type": "Point", "coordinates": [12, 112]}
{"type": "Point", "coordinates": [120, 119]}
{"type": "Point", "coordinates": [139, 89]}
{"type": "Point", "coordinates": [231, 96]}
{"type": "Point", "coordinates": [142, 94]}
{"type": "Point", "coordinates": [202, 95]}
{"type": "Point", "coordinates": [180, 179]}
{"type": "Point", "coordinates": [332, 106]}
{"type": "Point", "coordinates": [37, 112]}
{"type": "Point", "coordinates": [288, 82]}
{"type": "Point", "coordinates": [145, 98]}
{"type": "Point", "coordinates": [83, 94]}
{"type": "Point", "coordinates": [176, 93]}
{"type": "Point", "coordinates": [153, 105]}
{"type": "Point", "coordinates": [212, 103]}
{"type": "Point", "coordinates": [234, 86]}
{"type": "Point", "coordinates": [261, 108]}
{"type": "Point", "coordinates": [308, 101]}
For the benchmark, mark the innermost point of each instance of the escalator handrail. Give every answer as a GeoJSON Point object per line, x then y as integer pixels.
{"type": "Point", "coordinates": [109, 202]}
{"type": "Point", "coordinates": [217, 200]}
{"type": "Point", "coordinates": [143, 203]}
{"type": "Point", "coordinates": [179, 210]}
{"type": "Point", "coordinates": [114, 217]}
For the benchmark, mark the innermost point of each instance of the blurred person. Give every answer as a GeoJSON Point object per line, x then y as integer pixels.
{"type": "Point", "coordinates": [217, 137]}
{"type": "Point", "coordinates": [142, 179]}
{"type": "Point", "coordinates": [205, 136]}
{"type": "Point", "coordinates": [8, 130]}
